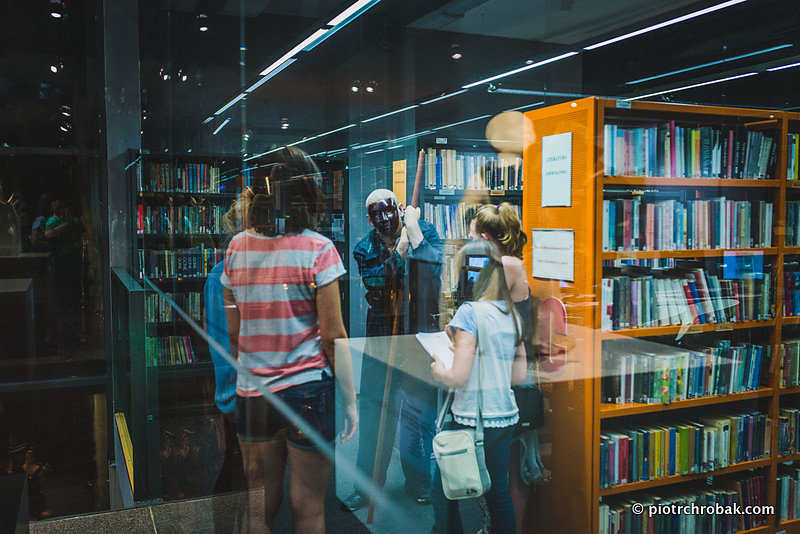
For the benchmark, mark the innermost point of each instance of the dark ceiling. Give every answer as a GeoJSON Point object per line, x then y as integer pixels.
{"type": "Point", "coordinates": [403, 45]}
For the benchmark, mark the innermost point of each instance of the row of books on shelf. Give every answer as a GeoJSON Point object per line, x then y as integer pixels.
{"type": "Point", "coordinates": [178, 177]}
{"type": "Point", "coordinates": [158, 310]}
{"type": "Point", "coordinates": [451, 220]}
{"type": "Point", "coordinates": [791, 289]}
{"type": "Point", "coordinates": [705, 444]}
{"type": "Point", "coordinates": [636, 371]}
{"type": "Point", "coordinates": [788, 493]}
{"type": "Point", "coordinates": [792, 167]}
{"type": "Point", "coordinates": [793, 223]}
{"type": "Point", "coordinates": [169, 350]}
{"type": "Point", "coordinates": [179, 219]}
{"type": "Point", "coordinates": [643, 298]}
{"type": "Point", "coordinates": [790, 363]}
{"type": "Point", "coordinates": [178, 263]}
{"type": "Point", "coordinates": [788, 431]}
{"type": "Point", "coordinates": [637, 224]}
{"type": "Point", "coordinates": [720, 509]}
{"type": "Point", "coordinates": [667, 149]}
{"type": "Point", "coordinates": [447, 168]}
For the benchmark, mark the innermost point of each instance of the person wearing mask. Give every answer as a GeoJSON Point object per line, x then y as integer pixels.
{"type": "Point", "coordinates": [400, 263]}
{"type": "Point", "coordinates": [284, 314]}
{"type": "Point", "coordinates": [501, 225]}
{"type": "Point", "coordinates": [487, 310]}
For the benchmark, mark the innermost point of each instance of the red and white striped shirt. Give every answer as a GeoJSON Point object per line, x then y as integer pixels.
{"type": "Point", "coordinates": [274, 281]}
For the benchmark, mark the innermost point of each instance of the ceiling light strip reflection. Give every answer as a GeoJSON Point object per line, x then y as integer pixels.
{"type": "Point", "coordinates": [263, 153]}
{"type": "Point", "coordinates": [412, 136]}
{"type": "Point", "coordinates": [709, 64]}
{"type": "Point", "coordinates": [307, 42]}
{"type": "Point", "coordinates": [221, 126]}
{"type": "Point", "coordinates": [272, 73]}
{"type": "Point", "coordinates": [352, 12]}
{"type": "Point", "coordinates": [390, 113]}
{"type": "Point", "coordinates": [461, 122]}
{"type": "Point", "coordinates": [665, 23]}
{"type": "Point", "coordinates": [773, 69]}
{"type": "Point", "coordinates": [208, 120]}
{"type": "Point", "coordinates": [307, 139]}
{"type": "Point", "coordinates": [521, 69]}
{"type": "Point", "coordinates": [431, 101]}
{"type": "Point", "coordinates": [229, 104]}
{"type": "Point", "coordinates": [692, 86]}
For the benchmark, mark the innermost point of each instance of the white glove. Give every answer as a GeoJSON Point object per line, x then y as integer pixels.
{"type": "Point", "coordinates": [411, 220]}
{"type": "Point", "coordinates": [402, 244]}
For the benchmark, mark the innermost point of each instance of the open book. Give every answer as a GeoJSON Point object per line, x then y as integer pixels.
{"type": "Point", "coordinates": [439, 344]}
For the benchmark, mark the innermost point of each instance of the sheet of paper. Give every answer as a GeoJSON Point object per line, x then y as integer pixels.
{"type": "Point", "coordinates": [553, 254]}
{"type": "Point", "coordinates": [557, 170]}
{"type": "Point", "coordinates": [439, 344]}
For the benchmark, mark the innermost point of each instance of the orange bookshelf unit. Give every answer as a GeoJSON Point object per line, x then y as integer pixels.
{"type": "Point", "coordinates": [672, 356]}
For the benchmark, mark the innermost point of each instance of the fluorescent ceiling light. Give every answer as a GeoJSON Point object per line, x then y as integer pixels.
{"type": "Point", "coordinates": [263, 153]}
{"type": "Point", "coordinates": [431, 101]}
{"type": "Point", "coordinates": [208, 120]}
{"type": "Point", "coordinates": [783, 67]}
{"type": "Point", "coordinates": [307, 139]}
{"type": "Point", "coordinates": [390, 113]}
{"type": "Point", "coordinates": [461, 122]}
{"type": "Point", "coordinates": [693, 86]}
{"type": "Point", "coordinates": [709, 64]}
{"type": "Point", "coordinates": [352, 12]}
{"type": "Point", "coordinates": [309, 42]}
{"type": "Point", "coordinates": [373, 151]}
{"type": "Point", "coordinates": [526, 67]}
{"type": "Point", "coordinates": [221, 126]}
{"type": "Point", "coordinates": [527, 106]}
{"type": "Point", "coordinates": [229, 104]}
{"type": "Point", "coordinates": [666, 23]}
{"type": "Point", "coordinates": [412, 136]}
{"type": "Point", "coordinates": [271, 72]}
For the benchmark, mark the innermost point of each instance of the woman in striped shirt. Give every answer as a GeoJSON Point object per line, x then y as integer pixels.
{"type": "Point", "coordinates": [284, 314]}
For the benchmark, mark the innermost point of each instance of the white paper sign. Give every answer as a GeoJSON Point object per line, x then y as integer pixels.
{"type": "Point", "coordinates": [557, 170]}
{"type": "Point", "coordinates": [554, 254]}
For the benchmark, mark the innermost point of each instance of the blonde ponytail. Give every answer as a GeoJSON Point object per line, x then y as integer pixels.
{"type": "Point", "coordinates": [501, 223]}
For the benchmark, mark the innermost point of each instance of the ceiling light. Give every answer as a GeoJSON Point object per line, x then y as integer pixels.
{"type": "Point", "coordinates": [229, 104]}
{"type": "Point", "coordinates": [221, 126]}
{"type": "Point", "coordinates": [526, 67]}
{"type": "Point", "coordinates": [461, 122]}
{"type": "Point", "coordinates": [272, 72]}
{"type": "Point", "coordinates": [432, 100]}
{"type": "Point", "coordinates": [202, 18]}
{"type": "Point", "coordinates": [709, 64]}
{"type": "Point", "coordinates": [208, 120]}
{"type": "Point", "coordinates": [666, 23]}
{"type": "Point", "coordinates": [55, 14]}
{"type": "Point", "coordinates": [784, 67]}
{"type": "Point", "coordinates": [354, 88]}
{"type": "Point", "coordinates": [390, 113]}
{"type": "Point", "coordinates": [203, 28]}
{"type": "Point", "coordinates": [53, 68]}
{"type": "Point", "coordinates": [63, 129]}
{"type": "Point", "coordinates": [528, 61]}
{"type": "Point", "coordinates": [352, 12]}
{"type": "Point", "coordinates": [308, 43]}
{"type": "Point", "coordinates": [526, 106]}
{"type": "Point", "coordinates": [693, 86]}
{"type": "Point", "coordinates": [284, 123]}
{"type": "Point", "coordinates": [456, 55]}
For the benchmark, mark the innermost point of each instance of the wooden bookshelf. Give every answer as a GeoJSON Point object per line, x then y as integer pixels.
{"type": "Point", "coordinates": [691, 253]}
{"type": "Point", "coordinates": [685, 329]}
{"type": "Point", "coordinates": [677, 479]}
{"type": "Point", "coordinates": [642, 181]}
{"type": "Point", "coordinates": [577, 418]}
{"type": "Point", "coordinates": [789, 391]}
{"type": "Point", "coordinates": [608, 411]}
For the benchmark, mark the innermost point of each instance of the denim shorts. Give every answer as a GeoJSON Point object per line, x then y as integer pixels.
{"type": "Point", "coordinates": [258, 420]}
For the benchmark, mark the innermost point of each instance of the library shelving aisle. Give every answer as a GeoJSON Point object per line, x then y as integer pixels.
{"type": "Point", "coordinates": [458, 178]}
{"type": "Point", "coordinates": [671, 364]}
{"type": "Point", "coordinates": [178, 204]}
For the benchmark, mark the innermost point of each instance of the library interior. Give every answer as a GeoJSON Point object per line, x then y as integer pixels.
{"type": "Point", "coordinates": [496, 266]}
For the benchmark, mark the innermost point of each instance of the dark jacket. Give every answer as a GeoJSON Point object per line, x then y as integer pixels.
{"type": "Point", "coordinates": [417, 278]}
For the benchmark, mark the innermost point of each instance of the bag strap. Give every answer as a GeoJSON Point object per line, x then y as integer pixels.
{"type": "Point", "coordinates": [481, 340]}
{"type": "Point", "coordinates": [449, 398]}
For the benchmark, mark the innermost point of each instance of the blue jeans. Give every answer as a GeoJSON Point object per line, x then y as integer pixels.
{"type": "Point", "coordinates": [497, 448]}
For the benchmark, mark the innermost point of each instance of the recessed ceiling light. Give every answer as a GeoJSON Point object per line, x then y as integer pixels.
{"type": "Point", "coordinates": [53, 68]}
{"type": "Point", "coordinates": [370, 89]}
{"type": "Point", "coordinates": [354, 88]}
{"type": "Point", "coordinates": [203, 28]}
{"type": "Point", "coordinates": [457, 55]}
{"type": "Point", "coordinates": [55, 14]}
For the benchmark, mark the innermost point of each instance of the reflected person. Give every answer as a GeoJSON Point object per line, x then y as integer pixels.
{"type": "Point", "coordinates": [284, 314]}
{"type": "Point", "coordinates": [399, 261]}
